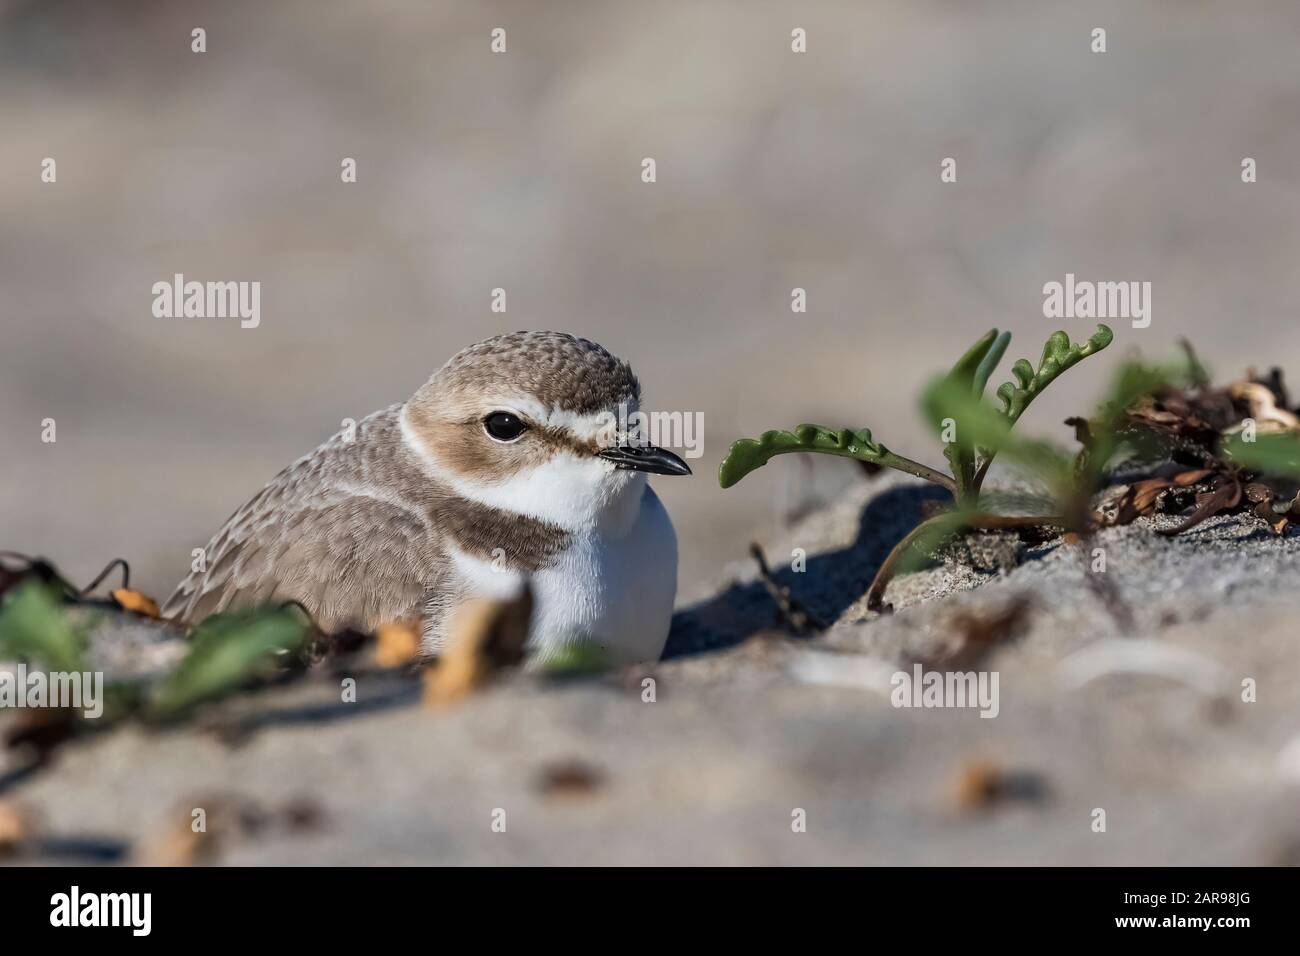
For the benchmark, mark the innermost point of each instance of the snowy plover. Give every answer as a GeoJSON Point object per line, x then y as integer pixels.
{"type": "Point", "coordinates": [505, 465]}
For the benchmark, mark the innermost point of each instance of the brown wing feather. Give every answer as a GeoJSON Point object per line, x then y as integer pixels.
{"type": "Point", "coordinates": [356, 563]}
{"type": "Point", "coordinates": [333, 531]}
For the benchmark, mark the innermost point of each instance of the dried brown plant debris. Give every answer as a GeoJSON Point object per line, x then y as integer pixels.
{"type": "Point", "coordinates": [179, 844]}
{"type": "Point", "coordinates": [1267, 509]}
{"type": "Point", "coordinates": [136, 602]}
{"type": "Point", "coordinates": [486, 637]}
{"type": "Point", "coordinates": [197, 831]}
{"type": "Point", "coordinates": [1262, 405]}
{"type": "Point", "coordinates": [570, 778]}
{"type": "Point", "coordinates": [1195, 428]}
{"type": "Point", "coordinates": [16, 568]}
{"type": "Point", "coordinates": [124, 597]}
{"type": "Point", "coordinates": [983, 785]}
{"type": "Point", "coordinates": [397, 644]}
{"type": "Point", "coordinates": [17, 827]}
{"type": "Point", "coordinates": [794, 617]}
{"type": "Point", "coordinates": [1223, 494]}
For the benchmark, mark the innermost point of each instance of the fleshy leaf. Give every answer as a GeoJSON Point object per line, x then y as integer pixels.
{"type": "Point", "coordinates": [971, 374]}
{"type": "Point", "coordinates": [35, 627]}
{"type": "Point", "coordinates": [229, 649]}
{"type": "Point", "coordinates": [1023, 371]}
{"type": "Point", "coordinates": [1058, 355]}
{"type": "Point", "coordinates": [575, 659]}
{"type": "Point", "coordinates": [1275, 454]}
{"type": "Point", "coordinates": [968, 367]}
{"type": "Point", "coordinates": [748, 454]}
{"type": "Point", "coordinates": [977, 424]}
{"type": "Point", "coordinates": [990, 362]}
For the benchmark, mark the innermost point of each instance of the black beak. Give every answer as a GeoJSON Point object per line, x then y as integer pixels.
{"type": "Point", "coordinates": [656, 461]}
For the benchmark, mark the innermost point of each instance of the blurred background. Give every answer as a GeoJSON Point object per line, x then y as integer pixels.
{"type": "Point", "coordinates": [522, 170]}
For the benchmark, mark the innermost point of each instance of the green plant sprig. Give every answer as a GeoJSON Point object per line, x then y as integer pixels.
{"type": "Point", "coordinates": [747, 454]}
{"type": "Point", "coordinates": [973, 432]}
{"type": "Point", "coordinates": [228, 651]}
{"type": "Point", "coordinates": [1058, 356]}
{"type": "Point", "coordinates": [974, 444]}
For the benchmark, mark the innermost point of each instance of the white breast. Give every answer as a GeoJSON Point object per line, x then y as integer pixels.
{"type": "Point", "coordinates": [613, 586]}
{"type": "Point", "coordinates": [616, 592]}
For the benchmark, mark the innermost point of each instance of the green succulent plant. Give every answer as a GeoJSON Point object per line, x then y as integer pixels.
{"type": "Point", "coordinates": [973, 433]}
{"type": "Point", "coordinates": [1270, 454]}
{"type": "Point", "coordinates": [973, 444]}
{"type": "Point", "coordinates": [34, 628]}
{"type": "Point", "coordinates": [227, 651]}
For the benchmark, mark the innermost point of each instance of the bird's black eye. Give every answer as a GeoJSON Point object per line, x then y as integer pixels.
{"type": "Point", "coordinates": [503, 426]}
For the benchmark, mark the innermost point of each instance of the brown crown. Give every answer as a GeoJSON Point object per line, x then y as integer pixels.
{"type": "Point", "coordinates": [560, 369]}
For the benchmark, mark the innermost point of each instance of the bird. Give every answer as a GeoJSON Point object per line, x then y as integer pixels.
{"type": "Point", "coordinates": [510, 469]}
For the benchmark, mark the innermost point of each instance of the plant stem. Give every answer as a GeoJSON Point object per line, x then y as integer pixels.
{"type": "Point", "coordinates": [958, 522]}
{"type": "Point", "coordinates": [899, 463]}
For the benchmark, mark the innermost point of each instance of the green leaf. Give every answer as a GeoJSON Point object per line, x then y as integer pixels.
{"type": "Point", "coordinates": [34, 626]}
{"type": "Point", "coordinates": [747, 454]}
{"type": "Point", "coordinates": [229, 650]}
{"type": "Point", "coordinates": [977, 424]}
{"type": "Point", "coordinates": [974, 368]}
{"type": "Point", "coordinates": [990, 362]}
{"type": "Point", "coordinates": [576, 658]}
{"type": "Point", "coordinates": [971, 375]}
{"type": "Point", "coordinates": [1058, 355]}
{"type": "Point", "coordinates": [1272, 454]}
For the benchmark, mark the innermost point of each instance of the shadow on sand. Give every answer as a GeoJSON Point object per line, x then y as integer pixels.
{"type": "Point", "coordinates": [831, 582]}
